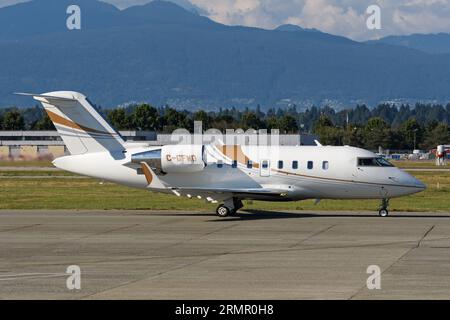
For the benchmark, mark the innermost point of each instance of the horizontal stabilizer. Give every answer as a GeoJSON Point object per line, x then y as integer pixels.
{"type": "Point", "coordinates": [45, 96]}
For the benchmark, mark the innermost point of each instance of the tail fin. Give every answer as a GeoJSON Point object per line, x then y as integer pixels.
{"type": "Point", "coordinates": [81, 127]}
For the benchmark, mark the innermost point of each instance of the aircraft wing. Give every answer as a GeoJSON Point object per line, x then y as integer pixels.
{"type": "Point", "coordinates": [219, 194]}
{"type": "Point", "coordinates": [209, 194]}
{"type": "Point", "coordinates": [254, 191]}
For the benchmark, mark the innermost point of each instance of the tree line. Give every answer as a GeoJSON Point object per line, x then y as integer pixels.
{"type": "Point", "coordinates": [395, 127]}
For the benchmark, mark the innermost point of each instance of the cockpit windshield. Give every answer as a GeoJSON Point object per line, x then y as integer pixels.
{"type": "Point", "coordinates": [373, 162]}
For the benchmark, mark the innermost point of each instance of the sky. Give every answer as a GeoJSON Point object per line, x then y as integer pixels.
{"type": "Point", "coordinates": [345, 17]}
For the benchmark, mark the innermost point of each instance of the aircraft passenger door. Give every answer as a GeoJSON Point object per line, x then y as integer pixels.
{"type": "Point", "coordinates": [264, 166]}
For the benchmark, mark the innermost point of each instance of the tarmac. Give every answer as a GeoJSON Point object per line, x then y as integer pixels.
{"type": "Point", "coordinates": [256, 255]}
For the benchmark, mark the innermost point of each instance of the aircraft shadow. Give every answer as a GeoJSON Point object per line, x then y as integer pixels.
{"type": "Point", "coordinates": [252, 214]}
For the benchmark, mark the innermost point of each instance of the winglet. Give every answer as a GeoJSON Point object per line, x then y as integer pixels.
{"type": "Point", "coordinates": [152, 180]}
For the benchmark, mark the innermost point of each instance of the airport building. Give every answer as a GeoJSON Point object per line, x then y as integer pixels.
{"type": "Point", "coordinates": [35, 145]}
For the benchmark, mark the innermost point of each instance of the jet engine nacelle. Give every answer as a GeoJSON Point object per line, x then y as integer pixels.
{"type": "Point", "coordinates": [182, 158]}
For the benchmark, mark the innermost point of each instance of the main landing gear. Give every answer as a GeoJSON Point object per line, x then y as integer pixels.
{"type": "Point", "coordinates": [383, 212]}
{"type": "Point", "coordinates": [229, 207]}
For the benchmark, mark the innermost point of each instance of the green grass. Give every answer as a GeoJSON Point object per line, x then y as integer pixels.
{"type": "Point", "coordinates": [19, 163]}
{"type": "Point", "coordinates": [416, 164]}
{"type": "Point", "coordinates": [21, 173]}
{"type": "Point", "coordinates": [78, 193]}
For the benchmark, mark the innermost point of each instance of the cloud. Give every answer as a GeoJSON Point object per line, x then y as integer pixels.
{"type": "Point", "coordinates": [342, 17]}
{"type": "Point", "coordinates": [434, 16]}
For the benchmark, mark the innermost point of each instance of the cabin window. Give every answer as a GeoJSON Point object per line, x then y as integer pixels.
{"type": "Point", "coordinates": [249, 164]}
{"type": "Point", "coordinates": [280, 164]}
{"type": "Point", "coordinates": [310, 165]}
{"type": "Point", "coordinates": [325, 165]}
{"type": "Point", "coordinates": [295, 164]}
{"type": "Point", "coordinates": [219, 164]}
{"type": "Point", "coordinates": [265, 164]}
{"type": "Point", "coordinates": [234, 164]}
{"type": "Point", "coordinates": [373, 162]}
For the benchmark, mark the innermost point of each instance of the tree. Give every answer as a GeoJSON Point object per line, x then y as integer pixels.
{"type": "Point", "coordinates": [376, 133]}
{"type": "Point", "coordinates": [288, 124]}
{"type": "Point", "coordinates": [359, 115]}
{"type": "Point", "coordinates": [439, 135]}
{"type": "Point", "coordinates": [323, 121]}
{"type": "Point", "coordinates": [223, 122]}
{"type": "Point", "coordinates": [13, 120]}
{"type": "Point", "coordinates": [272, 123]}
{"type": "Point", "coordinates": [173, 119]}
{"type": "Point", "coordinates": [204, 118]}
{"type": "Point", "coordinates": [327, 132]}
{"type": "Point", "coordinates": [353, 136]}
{"type": "Point", "coordinates": [119, 119]}
{"type": "Point", "coordinates": [330, 136]}
{"type": "Point", "coordinates": [412, 133]}
{"type": "Point", "coordinates": [145, 117]}
{"type": "Point", "coordinates": [250, 120]}
{"type": "Point", "coordinates": [431, 125]}
{"type": "Point", "coordinates": [43, 124]}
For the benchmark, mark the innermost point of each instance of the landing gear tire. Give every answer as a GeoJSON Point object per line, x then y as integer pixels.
{"type": "Point", "coordinates": [383, 212]}
{"type": "Point", "coordinates": [223, 211]}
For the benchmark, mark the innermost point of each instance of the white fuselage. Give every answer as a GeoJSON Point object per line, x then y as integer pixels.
{"type": "Point", "coordinates": [304, 172]}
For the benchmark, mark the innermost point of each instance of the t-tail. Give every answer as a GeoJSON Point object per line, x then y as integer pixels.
{"type": "Point", "coordinates": [81, 127]}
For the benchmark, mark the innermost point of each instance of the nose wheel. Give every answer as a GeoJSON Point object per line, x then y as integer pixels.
{"type": "Point", "coordinates": [384, 212]}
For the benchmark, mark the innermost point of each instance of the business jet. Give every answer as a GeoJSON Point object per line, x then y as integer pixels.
{"type": "Point", "coordinates": [217, 172]}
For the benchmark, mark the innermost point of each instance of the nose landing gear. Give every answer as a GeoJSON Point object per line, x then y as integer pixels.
{"type": "Point", "coordinates": [383, 212]}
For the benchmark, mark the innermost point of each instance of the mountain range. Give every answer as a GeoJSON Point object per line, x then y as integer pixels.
{"type": "Point", "coordinates": [438, 43]}
{"type": "Point", "coordinates": [164, 54]}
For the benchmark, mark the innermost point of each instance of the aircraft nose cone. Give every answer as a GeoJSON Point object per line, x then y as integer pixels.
{"type": "Point", "coordinates": [415, 183]}
{"type": "Point", "coordinates": [407, 184]}
{"type": "Point", "coordinates": [419, 184]}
